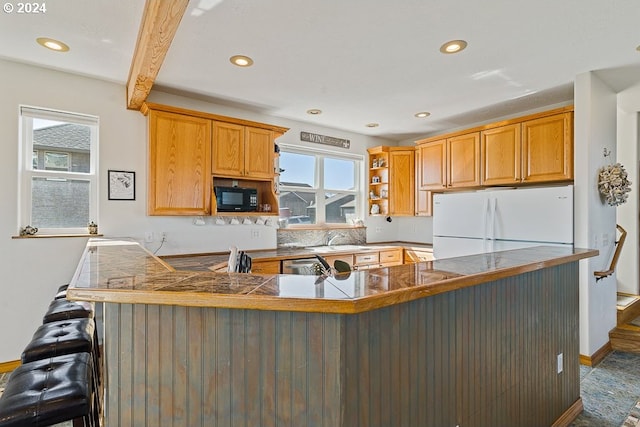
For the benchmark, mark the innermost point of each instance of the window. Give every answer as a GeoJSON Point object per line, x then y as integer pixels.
{"type": "Point", "coordinates": [318, 186]}
{"type": "Point", "coordinates": [58, 171]}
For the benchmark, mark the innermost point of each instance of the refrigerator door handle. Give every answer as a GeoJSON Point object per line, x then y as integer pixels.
{"type": "Point", "coordinates": [485, 218]}
{"type": "Point", "coordinates": [494, 206]}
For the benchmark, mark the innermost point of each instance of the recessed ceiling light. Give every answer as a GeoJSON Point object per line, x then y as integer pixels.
{"type": "Point", "coordinates": [241, 61]}
{"type": "Point", "coordinates": [422, 114]}
{"type": "Point", "coordinates": [314, 111]}
{"type": "Point", "coordinates": [52, 44]}
{"type": "Point", "coordinates": [453, 46]}
{"type": "Point", "coordinates": [372, 125]}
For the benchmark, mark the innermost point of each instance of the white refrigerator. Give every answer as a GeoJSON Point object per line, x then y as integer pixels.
{"type": "Point", "coordinates": [466, 223]}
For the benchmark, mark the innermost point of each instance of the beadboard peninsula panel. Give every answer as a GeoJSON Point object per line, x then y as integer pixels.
{"type": "Point", "coordinates": [180, 366]}
{"type": "Point", "coordinates": [484, 356]}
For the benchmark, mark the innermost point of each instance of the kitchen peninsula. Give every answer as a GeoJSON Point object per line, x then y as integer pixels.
{"type": "Point", "coordinates": [487, 339]}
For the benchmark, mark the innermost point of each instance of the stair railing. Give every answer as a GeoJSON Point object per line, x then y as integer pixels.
{"type": "Point", "coordinates": [614, 261]}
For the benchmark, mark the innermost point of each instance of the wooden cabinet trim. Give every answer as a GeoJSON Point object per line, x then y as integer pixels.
{"type": "Point", "coordinates": [183, 111]}
{"type": "Point", "coordinates": [506, 122]}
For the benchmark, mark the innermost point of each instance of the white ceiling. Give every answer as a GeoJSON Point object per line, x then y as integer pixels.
{"type": "Point", "coordinates": [359, 61]}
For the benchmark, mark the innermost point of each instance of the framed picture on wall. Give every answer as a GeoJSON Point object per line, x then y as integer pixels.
{"type": "Point", "coordinates": [122, 185]}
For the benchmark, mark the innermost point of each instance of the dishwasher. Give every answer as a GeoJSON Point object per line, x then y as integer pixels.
{"type": "Point", "coordinates": [299, 266]}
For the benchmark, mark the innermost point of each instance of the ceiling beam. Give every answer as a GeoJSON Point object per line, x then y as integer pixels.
{"type": "Point", "coordinates": [160, 21]}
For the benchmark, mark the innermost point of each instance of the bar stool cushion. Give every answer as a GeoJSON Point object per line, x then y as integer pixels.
{"type": "Point", "coordinates": [61, 309]}
{"type": "Point", "coordinates": [49, 391]}
{"type": "Point", "coordinates": [61, 337]}
{"type": "Point", "coordinates": [63, 287]}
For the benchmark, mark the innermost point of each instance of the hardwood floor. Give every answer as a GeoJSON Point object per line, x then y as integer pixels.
{"type": "Point", "coordinates": [626, 335]}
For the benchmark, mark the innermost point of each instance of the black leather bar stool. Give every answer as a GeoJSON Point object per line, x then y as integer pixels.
{"type": "Point", "coordinates": [65, 337]}
{"type": "Point", "coordinates": [61, 309]}
{"type": "Point", "coordinates": [51, 391]}
{"type": "Point", "coordinates": [59, 338]}
{"type": "Point", "coordinates": [62, 292]}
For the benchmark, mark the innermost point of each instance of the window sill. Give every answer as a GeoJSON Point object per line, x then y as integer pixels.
{"type": "Point", "coordinates": [46, 236]}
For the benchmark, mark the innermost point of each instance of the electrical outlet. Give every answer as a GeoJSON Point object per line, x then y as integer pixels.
{"type": "Point", "coordinates": [560, 363]}
{"type": "Point", "coordinates": [255, 233]}
{"type": "Point", "coordinates": [163, 236]}
{"type": "Point", "coordinates": [605, 240]}
{"type": "Point", "coordinates": [148, 237]}
{"type": "Point", "coordinates": [378, 229]}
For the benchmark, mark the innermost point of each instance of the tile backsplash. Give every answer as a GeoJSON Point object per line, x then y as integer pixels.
{"type": "Point", "coordinates": [291, 237]}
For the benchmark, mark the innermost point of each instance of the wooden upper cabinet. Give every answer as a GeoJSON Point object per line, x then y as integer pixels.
{"type": "Point", "coordinates": [189, 150]}
{"type": "Point", "coordinates": [228, 149]}
{"type": "Point", "coordinates": [259, 153]}
{"type": "Point", "coordinates": [500, 154]}
{"type": "Point", "coordinates": [432, 165]}
{"type": "Point", "coordinates": [547, 148]}
{"type": "Point", "coordinates": [242, 151]}
{"type": "Point", "coordinates": [532, 149]}
{"type": "Point", "coordinates": [422, 197]}
{"type": "Point", "coordinates": [449, 163]}
{"type": "Point", "coordinates": [401, 181]}
{"type": "Point", "coordinates": [463, 160]}
{"type": "Point", "coordinates": [179, 164]}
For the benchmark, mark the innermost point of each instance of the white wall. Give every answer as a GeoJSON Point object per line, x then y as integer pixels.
{"type": "Point", "coordinates": [595, 130]}
{"type": "Point", "coordinates": [627, 215]}
{"type": "Point", "coordinates": [34, 268]}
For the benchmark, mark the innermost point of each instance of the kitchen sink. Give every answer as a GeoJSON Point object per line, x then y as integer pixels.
{"type": "Point", "coordinates": [338, 248]}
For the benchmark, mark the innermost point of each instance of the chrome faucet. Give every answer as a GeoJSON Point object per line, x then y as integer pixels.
{"type": "Point", "coordinates": [331, 237]}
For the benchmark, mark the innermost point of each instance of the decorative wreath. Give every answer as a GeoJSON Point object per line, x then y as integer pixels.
{"type": "Point", "coordinates": [613, 184]}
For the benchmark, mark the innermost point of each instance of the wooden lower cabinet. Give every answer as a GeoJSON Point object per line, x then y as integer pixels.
{"type": "Point", "coordinates": [413, 255]}
{"type": "Point", "coordinates": [366, 260]}
{"type": "Point", "coordinates": [390, 258]}
{"type": "Point", "coordinates": [265, 267]}
{"type": "Point", "coordinates": [385, 258]}
{"type": "Point", "coordinates": [348, 258]}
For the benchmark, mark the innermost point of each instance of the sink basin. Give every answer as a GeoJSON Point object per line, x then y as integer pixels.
{"type": "Point", "coordinates": [337, 248]}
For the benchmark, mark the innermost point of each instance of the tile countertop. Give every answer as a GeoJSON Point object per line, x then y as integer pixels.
{"type": "Point", "coordinates": [121, 271]}
{"type": "Point", "coordinates": [202, 262]}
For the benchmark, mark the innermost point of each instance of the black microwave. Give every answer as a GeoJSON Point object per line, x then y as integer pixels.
{"type": "Point", "coordinates": [236, 199]}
